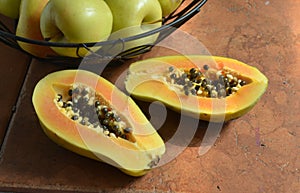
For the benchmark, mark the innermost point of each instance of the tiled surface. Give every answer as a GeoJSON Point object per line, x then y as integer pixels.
{"type": "Point", "coordinates": [258, 152]}
{"type": "Point", "coordinates": [13, 69]}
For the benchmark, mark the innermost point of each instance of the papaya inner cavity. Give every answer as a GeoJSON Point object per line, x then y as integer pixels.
{"type": "Point", "coordinates": [83, 105]}
{"type": "Point", "coordinates": [205, 82]}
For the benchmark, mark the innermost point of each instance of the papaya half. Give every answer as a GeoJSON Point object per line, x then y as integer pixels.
{"type": "Point", "coordinates": [209, 88]}
{"type": "Point", "coordinates": [88, 115]}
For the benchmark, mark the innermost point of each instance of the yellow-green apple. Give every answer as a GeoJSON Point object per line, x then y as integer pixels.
{"type": "Point", "coordinates": [168, 6]}
{"type": "Point", "coordinates": [135, 17]}
{"type": "Point", "coordinates": [29, 27]}
{"type": "Point", "coordinates": [10, 8]}
{"type": "Point", "coordinates": [76, 21]}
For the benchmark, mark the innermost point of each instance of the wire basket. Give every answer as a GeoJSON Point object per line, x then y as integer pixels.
{"type": "Point", "coordinates": [187, 10]}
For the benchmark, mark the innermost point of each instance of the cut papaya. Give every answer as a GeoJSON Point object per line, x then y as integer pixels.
{"type": "Point", "coordinates": [210, 88]}
{"type": "Point", "coordinates": [88, 115]}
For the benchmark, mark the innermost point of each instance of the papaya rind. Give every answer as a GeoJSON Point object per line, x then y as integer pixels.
{"type": "Point", "coordinates": [86, 153]}
{"type": "Point", "coordinates": [131, 158]}
{"type": "Point", "coordinates": [145, 88]}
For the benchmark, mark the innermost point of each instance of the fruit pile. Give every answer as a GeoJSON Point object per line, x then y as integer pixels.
{"type": "Point", "coordinates": [87, 114]}
{"type": "Point", "coordinates": [88, 21]}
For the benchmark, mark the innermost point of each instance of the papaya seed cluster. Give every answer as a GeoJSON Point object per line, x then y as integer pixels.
{"type": "Point", "coordinates": [207, 82]}
{"type": "Point", "coordinates": [84, 107]}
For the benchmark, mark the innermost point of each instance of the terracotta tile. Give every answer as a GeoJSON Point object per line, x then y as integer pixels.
{"type": "Point", "coordinates": [258, 152]}
{"type": "Point", "coordinates": [14, 66]}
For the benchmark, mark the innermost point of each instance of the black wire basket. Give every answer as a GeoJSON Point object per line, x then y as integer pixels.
{"type": "Point", "coordinates": [187, 10]}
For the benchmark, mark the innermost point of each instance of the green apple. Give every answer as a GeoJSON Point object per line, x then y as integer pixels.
{"type": "Point", "coordinates": [135, 17]}
{"type": "Point", "coordinates": [10, 8]}
{"type": "Point", "coordinates": [29, 27]}
{"type": "Point", "coordinates": [76, 21]}
{"type": "Point", "coordinates": [168, 6]}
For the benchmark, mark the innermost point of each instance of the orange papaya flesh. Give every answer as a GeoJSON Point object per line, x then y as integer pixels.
{"type": "Point", "coordinates": [134, 151]}
{"type": "Point", "coordinates": [231, 88]}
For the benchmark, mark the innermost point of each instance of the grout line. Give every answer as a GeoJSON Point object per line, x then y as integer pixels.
{"type": "Point", "coordinates": [14, 110]}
